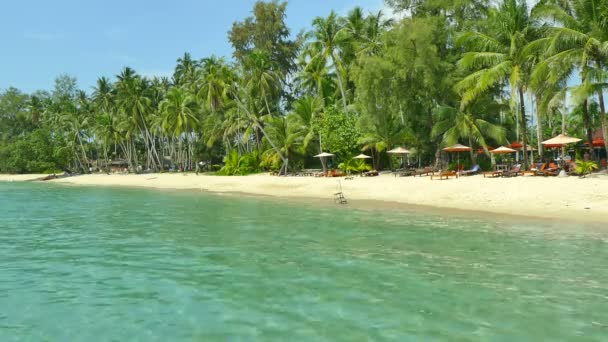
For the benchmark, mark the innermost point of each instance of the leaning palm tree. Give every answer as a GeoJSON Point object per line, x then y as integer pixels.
{"type": "Point", "coordinates": [498, 57]}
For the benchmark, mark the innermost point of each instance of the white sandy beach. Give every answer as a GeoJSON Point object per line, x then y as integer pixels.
{"type": "Point", "coordinates": [551, 198]}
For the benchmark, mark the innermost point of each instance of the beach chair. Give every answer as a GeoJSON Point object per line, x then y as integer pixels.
{"type": "Point", "coordinates": [405, 173]}
{"type": "Point", "coordinates": [474, 170]}
{"type": "Point", "coordinates": [443, 175]}
{"type": "Point", "coordinates": [538, 171]}
{"type": "Point", "coordinates": [424, 172]}
{"type": "Point", "coordinates": [552, 170]}
{"type": "Point", "coordinates": [493, 174]}
{"type": "Point", "coordinates": [533, 169]}
{"type": "Point", "coordinates": [372, 173]}
{"type": "Point", "coordinates": [572, 169]}
{"type": "Point", "coordinates": [514, 172]}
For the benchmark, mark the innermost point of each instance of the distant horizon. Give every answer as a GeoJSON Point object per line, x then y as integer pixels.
{"type": "Point", "coordinates": [66, 38]}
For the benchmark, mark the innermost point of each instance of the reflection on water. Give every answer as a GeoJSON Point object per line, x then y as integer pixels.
{"type": "Point", "coordinates": [113, 264]}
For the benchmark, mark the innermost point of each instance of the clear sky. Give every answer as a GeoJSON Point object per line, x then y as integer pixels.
{"type": "Point", "coordinates": [41, 39]}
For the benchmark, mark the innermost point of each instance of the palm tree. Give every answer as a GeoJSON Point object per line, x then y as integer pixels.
{"type": "Point", "coordinates": [262, 77]}
{"type": "Point", "coordinates": [314, 76]}
{"type": "Point", "coordinates": [453, 125]}
{"type": "Point", "coordinates": [216, 78]}
{"type": "Point", "coordinates": [185, 70]}
{"type": "Point", "coordinates": [287, 136]}
{"type": "Point", "coordinates": [179, 111]}
{"type": "Point", "coordinates": [328, 41]}
{"type": "Point", "coordinates": [133, 101]}
{"type": "Point", "coordinates": [305, 111]}
{"type": "Point", "coordinates": [498, 57]}
{"type": "Point", "coordinates": [578, 41]}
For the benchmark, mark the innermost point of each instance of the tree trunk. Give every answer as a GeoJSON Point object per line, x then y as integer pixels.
{"type": "Point", "coordinates": [339, 78]}
{"type": "Point", "coordinates": [600, 95]}
{"type": "Point", "coordinates": [524, 138]}
{"type": "Point", "coordinates": [539, 131]}
{"type": "Point", "coordinates": [587, 123]}
{"type": "Point", "coordinates": [256, 123]}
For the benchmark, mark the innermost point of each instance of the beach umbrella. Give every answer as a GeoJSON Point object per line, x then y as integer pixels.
{"type": "Point", "coordinates": [503, 150]}
{"type": "Point", "coordinates": [400, 150]}
{"type": "Point", "coordinates": [323, 156]}
{"type": "Point", "coordinates": [560, 140]}
{"type": "Point", "coordinates": [362, 156]}
{"type": "Point", "coordinates": [458, 148]}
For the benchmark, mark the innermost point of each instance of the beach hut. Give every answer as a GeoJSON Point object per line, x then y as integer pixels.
{"type": "Point", "coordinates": [323, 156]}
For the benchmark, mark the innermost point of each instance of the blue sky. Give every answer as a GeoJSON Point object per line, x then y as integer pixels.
{"type": "Point", "coordinates": [41, 39]}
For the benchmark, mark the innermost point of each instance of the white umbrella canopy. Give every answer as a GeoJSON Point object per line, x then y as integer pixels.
{"type": "Point", "coordinates": [399, 150]}
{"type": "Point", "coordinates": [561, 139]}
{"type": "Point", "coordinates": [503, 150]}
{"type": "Point", "coordinates": [362, 156]}
{"type": "Point", "coordinates": [323, 156]}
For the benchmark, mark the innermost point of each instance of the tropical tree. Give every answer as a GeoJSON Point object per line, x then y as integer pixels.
{"type": "Point", "coordinates": [179, 112]}
{"type": "Point", "coordinates": [498, 57]}
{"type": "Point", "coordinates": [453, 125]}
{"type": "Point", "coordinates": [577, 42]}
{"type": "Point", "coordinates": [328, 39]}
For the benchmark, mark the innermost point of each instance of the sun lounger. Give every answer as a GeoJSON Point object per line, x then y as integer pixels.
{"type": "Point", "coordinates": [514, 172]}
{"type": "Point", "coordinates": [474, 170]}
{"type": "Point", "coordinates": [405, 173]}
{"type": "Point", "coordinates": [372, 173]}
{"type": "Point", "coordinates": [444, 175]}
{"type": "Point", "coordinates": [493, 174]}
{"type": "Point", "coordinates": [538, 171]}
{"type": "Point", "coordinates": [552, 170]}
{"type": "Point", "coordinates": [424, 172]}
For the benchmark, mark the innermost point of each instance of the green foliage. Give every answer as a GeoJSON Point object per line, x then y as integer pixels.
{"type": "Point", "coordinates": [355, 165]}
{"type": "Point", "coordinates": [339, 133]}
{"type": "Point", "coordinates": [245, 164]}
{"type": "Point", "coordinates": [584, 167]}
{"type": "Point", "coordinates": [352, 82]}
{"type": "Point", "coordinates": [33, 153]}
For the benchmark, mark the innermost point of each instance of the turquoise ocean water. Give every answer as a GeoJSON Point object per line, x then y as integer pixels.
{"type": "Point", "coordinates": [108, 264]}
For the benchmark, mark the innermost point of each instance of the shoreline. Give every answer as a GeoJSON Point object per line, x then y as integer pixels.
{"type": "Point", "coordinates": [542, 199]}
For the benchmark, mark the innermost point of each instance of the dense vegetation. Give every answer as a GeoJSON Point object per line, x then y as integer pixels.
{"type": "Point", "coordinates": [448, 71]}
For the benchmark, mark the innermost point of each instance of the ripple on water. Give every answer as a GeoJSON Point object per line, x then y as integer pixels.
{"type": "Point", "coordinates": [112, 264]}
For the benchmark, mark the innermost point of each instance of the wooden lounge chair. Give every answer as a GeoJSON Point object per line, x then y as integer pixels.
{"type": "Point", "coordinates": [424, 172]}
{"type": "Point", "coordinates": [514, 172]}
{"type": "Point", "coordinates": [552, 170]}
{"type": "Point", "coordinates": [372, 173]}
{"type": "Point", "coordinates": [533, 169]}
{"type": "Point", "coordinates": [405, 173]}
{"type": "Point", "coordinates": [474, 170]}
{"type": "Point", "coordinates": [539, 171]}
{"type": "Point", "coordinates": [572, 169]}
{"type": "Point", "coordinates": [493, 174]}
{"type": "Point", "coordinates": [444, 175]}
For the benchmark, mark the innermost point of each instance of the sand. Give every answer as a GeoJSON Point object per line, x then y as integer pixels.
{"type": "Point", "coordinates": [551, 198]}
{"type": "Point", "coordinates": [20, 178]}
